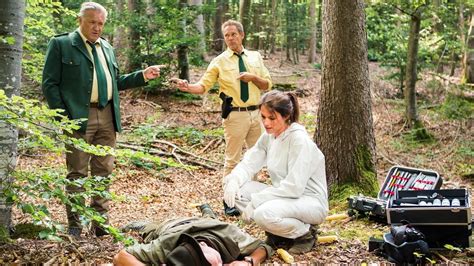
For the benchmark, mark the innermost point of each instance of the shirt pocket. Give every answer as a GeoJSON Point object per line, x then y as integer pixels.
{"type": "Point", "coordinates": [254, 66]}
{"type": "Point", "coordinates": [229, 74]}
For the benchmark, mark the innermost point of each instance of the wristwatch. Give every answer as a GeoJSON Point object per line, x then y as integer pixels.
{"type": "Point", "coordinates": [249, 259]}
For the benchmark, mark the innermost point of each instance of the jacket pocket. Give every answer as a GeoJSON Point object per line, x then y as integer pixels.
{"type": "Point", "coordinates": [70, 68]}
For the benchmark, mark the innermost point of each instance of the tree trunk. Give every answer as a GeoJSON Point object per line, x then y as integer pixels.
{"type": "Point", "coordinates": [199, 23]}
{"type": "Point", "coordinates": [183, 63]}
{"type": "Point", "coordinates": [120, 41]}
{"type": "Point", "coordinates": [244, 15]}
{"type": "Point", "coordinates": [134, 42]}
{"type": "Point", "coordinates": [273, 26]}
{"type": "Point", "coordinates": [344, 130]}
{"type": "Point", "coordinates": [438, 28]}
{"type": "Point", "coordinates": [411, 73]}
{"type": "Point", "coordinates": [313, 32]}
{"type": "Point", "coordinates": [218, 38]}
{"type": "Point", "coordinates": [12, 15]}
{"type": "Point", "coordinates": [468, 66]}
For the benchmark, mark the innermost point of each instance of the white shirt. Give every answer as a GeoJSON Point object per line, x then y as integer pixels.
{"type": "Point", "coordinates": [294, 162]}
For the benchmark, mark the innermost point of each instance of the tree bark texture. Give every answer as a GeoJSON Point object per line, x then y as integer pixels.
{"type": "Point", "coordinates": [244, 15]}
{"type": "Point", "coordinates": [183, 63]}
{"type": "Point", "coordinates": [12, 15]}
{"type": "Point", "coordinates": [411, 73]}
{"type": "Point", "coordinates": [313, 32]}
{"type": "Point", "coordinates": [218, 37]}
{"type": "Point", "coordinates": [120, 41]}
{"type": "Point", "coordinates": [469, 55]}
{"type": "Point", "coordinates": [199, 23]}
{"type": "Point", "coordinates": [134, 42]}
{"type": "Point", "coordinates": [344, 130]}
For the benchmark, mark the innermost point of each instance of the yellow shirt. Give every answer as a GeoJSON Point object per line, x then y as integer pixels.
{"type": "Point", "coordinates": [224, 69]}
{"type": "Point", "coordinates": [103, 61]}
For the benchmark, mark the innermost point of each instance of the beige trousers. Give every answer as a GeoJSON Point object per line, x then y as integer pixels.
{"type": "Point", "coordinates": [100, 130]}
{"type": "Point", "coordinates": [240, 128]}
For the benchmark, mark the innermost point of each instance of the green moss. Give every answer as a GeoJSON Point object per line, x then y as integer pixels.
{"type": "Point", "coordinates": [4, 235]}
{"type": "Point", "coordinates": [365, 184]}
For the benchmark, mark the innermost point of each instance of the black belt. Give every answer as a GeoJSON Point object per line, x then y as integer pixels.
{"type": "Point", "coordinates": [244, 109]}
{"type": "Point", "coordinates": [96, 105]}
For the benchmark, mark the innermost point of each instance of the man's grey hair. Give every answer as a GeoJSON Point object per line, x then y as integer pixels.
{"type": "Point", "coordinates": [91, 6]}
{"type": "Point", "coordinates": [235, 23]}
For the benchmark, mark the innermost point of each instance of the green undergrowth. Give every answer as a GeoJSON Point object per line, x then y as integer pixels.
{"type": "Point", "coordinates": [149, 132]}
{"type": "Point", "coordinates": [457, 107]}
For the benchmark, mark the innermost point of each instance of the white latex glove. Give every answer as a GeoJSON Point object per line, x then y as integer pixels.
{"type": "Point", "coordinates": [247, 214]}
{"type": "Point", "coordinates": [231, 192]}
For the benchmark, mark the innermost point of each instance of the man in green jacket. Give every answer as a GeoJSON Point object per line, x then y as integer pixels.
{"type": "Point", "coordinates": [81, 76]}
{"type": "Point", "coordinates": [194, 241]}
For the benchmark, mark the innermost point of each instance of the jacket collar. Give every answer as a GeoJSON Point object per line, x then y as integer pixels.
{"type": "Point", "coordinates": [77, 41]}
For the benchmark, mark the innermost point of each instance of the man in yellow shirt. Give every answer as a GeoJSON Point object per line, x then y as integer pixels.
{"type": "Point", "coordinates": [242, 76]}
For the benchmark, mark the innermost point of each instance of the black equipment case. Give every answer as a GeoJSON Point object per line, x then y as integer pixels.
{"type": "Point", "coordinates": [443, 215]}
{"type": "Point", "coordinates": [398, 178]}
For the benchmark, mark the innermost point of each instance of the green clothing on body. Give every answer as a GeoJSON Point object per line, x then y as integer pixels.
{"type": "Point", "coordinates": [161, 238]}
{"type": "Point", "coordinates": [68, 74]}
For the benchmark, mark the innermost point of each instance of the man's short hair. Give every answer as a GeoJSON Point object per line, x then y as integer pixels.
{"type": "Point", "coordinates": [91, 6]}
{"type": "Point", "coordinates": [235, 23]}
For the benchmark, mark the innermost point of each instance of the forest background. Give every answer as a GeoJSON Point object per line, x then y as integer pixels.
{"type": "Point", "coordinates": [381, 83]}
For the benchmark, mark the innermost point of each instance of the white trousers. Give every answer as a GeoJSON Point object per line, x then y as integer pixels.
{"type": "Point", "coordinates": [290, 218]}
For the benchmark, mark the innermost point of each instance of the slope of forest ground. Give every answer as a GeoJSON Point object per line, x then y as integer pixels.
{"type": "Point", "coordinates": [190, 129]}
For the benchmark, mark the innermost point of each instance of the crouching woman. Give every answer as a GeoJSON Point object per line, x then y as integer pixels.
{"type": "Point", "coordinates": [294, 204]}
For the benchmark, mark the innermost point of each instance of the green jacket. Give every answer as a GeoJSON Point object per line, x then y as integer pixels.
{"type": "Point", "coordinates": [68, 73]}
{"type": "Point", "coordinates": [161, 238]}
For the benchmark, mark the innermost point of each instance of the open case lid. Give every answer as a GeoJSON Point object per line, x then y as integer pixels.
{"type": "Point", "coordinates": [408, 178]}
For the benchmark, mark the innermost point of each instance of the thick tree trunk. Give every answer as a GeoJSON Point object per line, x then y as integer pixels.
{"type": "Point", "coordinates": [344, 130]}
{"type": "Point", "coordinates": [313, 32]}
{"type": "Point", "coordinates": [411, 73]}
{"type": "Point", "coordinates": [12, 15]}
{"type": "Point", "coordinates": [244, 15]}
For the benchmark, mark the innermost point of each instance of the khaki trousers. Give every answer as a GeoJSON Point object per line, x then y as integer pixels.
{"type": "Point", "coordinates": [100, 130]}
{"type": "Point", "coordinates": [240, 128]}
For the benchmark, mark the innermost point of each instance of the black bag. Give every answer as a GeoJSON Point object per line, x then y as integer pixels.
{"type": "Point", "coordinates": [226, 105]}
{"type": "Point", "coordinates": [401, 243]}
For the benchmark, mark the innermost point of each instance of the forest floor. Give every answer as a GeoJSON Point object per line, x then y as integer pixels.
{"type": "Point", "coordinates": [176, 124]}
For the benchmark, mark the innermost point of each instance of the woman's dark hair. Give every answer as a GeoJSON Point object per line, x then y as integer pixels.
{"type": "Point", "coordinates": [285, 103]}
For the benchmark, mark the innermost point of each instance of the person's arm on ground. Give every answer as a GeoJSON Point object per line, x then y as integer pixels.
{"type": "Point", "coordinates": [258, 256]}
{"type": "Point", "coordinates": [123, 258]}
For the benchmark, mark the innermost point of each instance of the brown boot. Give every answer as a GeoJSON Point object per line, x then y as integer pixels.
{"type": "Point", "coordinates": [303, 243]}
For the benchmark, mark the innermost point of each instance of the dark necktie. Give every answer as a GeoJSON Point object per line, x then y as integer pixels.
{"type": "Point", "coordinates": [101, 80]}
{"type": "Point", "coordinates": [244, 86]}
